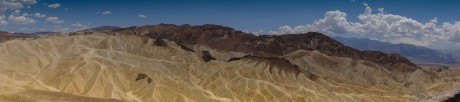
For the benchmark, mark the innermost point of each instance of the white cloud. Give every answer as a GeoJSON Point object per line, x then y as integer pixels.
{"type": "Point", "coordinates": [394, 28]}
{"type": "Point", "coordinates": [3, 20]}
{"type": "Point", "coordinates": [56, 5]}
{"type": "Point", "coordinates": [333, 22]}
{"type": "Point", "coordinates": [106, 12]}
{"type": "Point", "coordinates": [39, 15]}
{"type": "Point", "coordinates": [141, 16]}
{"type": "Point", "coordinates": [25, 14]}
{"type": "Point", "coordinates": [16, 18]}
{"type": "Point", "coordinates": [21, 20]}
{"type": "Point", "coordinates": [77, 26]}
{"type": "Point", "coordinates": [54, 20]}
{"type": "Point", "coordinates": [14, 4]}
{"type": "Point", "coordinates": [258, 32]}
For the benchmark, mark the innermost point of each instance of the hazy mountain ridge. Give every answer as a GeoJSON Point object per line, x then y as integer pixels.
{"type": "Point", "coordinates": [5, 36]}
{"type": "Point", "coordinates": [454, 53]}
{"type": "Point", "coordinates": [414, 53]}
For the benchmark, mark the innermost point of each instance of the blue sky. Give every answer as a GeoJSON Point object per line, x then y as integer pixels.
{"type": "Point", "coordinates": [258, 16]}
{"type": "Point", "coordinates": [249, 15]}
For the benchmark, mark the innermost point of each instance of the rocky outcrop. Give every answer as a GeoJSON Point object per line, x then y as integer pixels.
{"type": "Point", "coordinates": [206, 56]}
{"type": "Point", "coordinates": [227, 39]}
{"type": "Point", "coordinates": [159, 42]}
{"type": "Point", "coordinates": [141, 76]}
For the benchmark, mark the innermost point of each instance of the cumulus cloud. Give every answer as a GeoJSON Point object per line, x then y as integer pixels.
{"type": "Point", "coordinates": [141, 16]}
{"type": "Point", "coordinates": [106, 12]}
{"type": "Point", "coordinates": [14, 4]}
{"type": "Point", "coordinates": [21, 20]}
{"type": "Point", "coordinates": [395, 28]}
{"type": "Point", "coordinates": [16, 18]}
{"type": "Point", "coordinates": [54, 20]}
{"type": "Point", "coordinates": [56, 5]}
{"type": "Point", "coordinates": [39, 15]}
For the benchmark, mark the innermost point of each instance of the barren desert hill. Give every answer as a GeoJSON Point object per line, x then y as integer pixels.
{"type": "Point", "coordinates": [134, 68]}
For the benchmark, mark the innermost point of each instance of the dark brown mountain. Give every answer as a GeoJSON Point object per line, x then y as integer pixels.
{"type": "Point", "coordinates": [228, 39]}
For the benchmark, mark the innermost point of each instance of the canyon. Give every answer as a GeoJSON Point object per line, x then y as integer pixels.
{"type": "Point", "coordinates": [209, 63]}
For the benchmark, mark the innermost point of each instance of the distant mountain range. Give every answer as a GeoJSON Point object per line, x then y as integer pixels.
{"type": "Point", "coordinates": [34, 33]}
{"type": "Point", "coordinates": [416, 54]}
{"type": "Point", "coordinates": [5, 36]}
{"type": "Point", "coordinates": [104, 28]}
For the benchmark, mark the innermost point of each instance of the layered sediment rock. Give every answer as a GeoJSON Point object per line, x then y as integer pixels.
{"type": "Point", "coordinates": [132, 68]}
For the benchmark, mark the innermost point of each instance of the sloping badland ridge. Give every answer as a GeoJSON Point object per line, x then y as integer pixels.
{"type": "Point", "coordinates": [228, 39]}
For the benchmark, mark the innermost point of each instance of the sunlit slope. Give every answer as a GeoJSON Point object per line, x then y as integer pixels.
{"type": "Point", "coordinates": [131, 68]}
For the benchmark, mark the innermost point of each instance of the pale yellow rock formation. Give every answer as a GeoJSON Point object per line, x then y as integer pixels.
{"type": "Point", "coordinates": [129, 68]}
